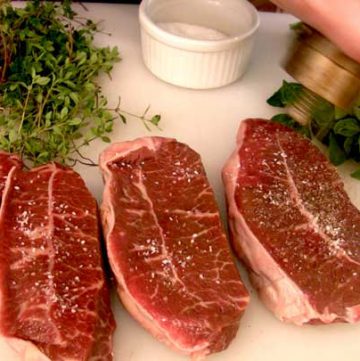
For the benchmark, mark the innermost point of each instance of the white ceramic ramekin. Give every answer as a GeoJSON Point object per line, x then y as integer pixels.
{"type": "Point", "coordinates": [192, 63]}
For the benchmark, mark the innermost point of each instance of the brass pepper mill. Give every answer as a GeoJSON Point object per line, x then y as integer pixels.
{"type": "Point", "coordinates": [325, 72]}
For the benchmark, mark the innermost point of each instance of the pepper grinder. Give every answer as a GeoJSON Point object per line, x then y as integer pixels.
{"type": "Point", "coordinates": [324, 71]}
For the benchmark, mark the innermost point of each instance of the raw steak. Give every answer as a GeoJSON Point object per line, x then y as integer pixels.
{"type": "Point", "coordinates": [54, 301]}
{"type": "Point", "coordinates": [294, 225]}
{"type": "Point", "coordinates": [167, 247]}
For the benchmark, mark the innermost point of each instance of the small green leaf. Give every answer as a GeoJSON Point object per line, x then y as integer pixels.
{"type": "Point", "coordinates": [67, 101]}
{"type": "Point", "coordinates": [301, 29]}
{"type": "Point", "coordinates": [48, 116]}
{"type": "Point", "coordinates": [276, 100]}
{"type": "Point", "coordinates": [290, 92]}
{"type": "Point", "coordinates": [336, 154]}
{"type": "Point", "coordinates": [93, 58]}
{"type": "Point", "coordinates": [155, 119]}
{"type": "Point", "coordinates": [89, 86]}
{"type": "Point", "coordinates": [42, 80]}
{"type": "Point", "coordinates": [347, 127]}
{"type": "Point", "coordinates": [297, 26]}
{"type": "Point", "coordinates": [43, 156]}
{"type": "Point", "coordinates": [109, 126]}
{"type": "Point", "coordinates": [39, 98]}
{"type": "Point", "coordinates": [95, 131]}
{"type": "Point", "coordinates": [13, 135]}
{"type": "Point", "coordinates": [356, 174]}
{"type": "Point", "coordinates": [74, 97]}
{"type": "Point", "coordinates": [75, 121]}
{"type": "Point", "coordinates": [57, 130]}
{"type": "Point", "coordinates": [70, 84]}
{"type": "Point", "coordinates": [64, 112]}
{"type": "Point", "coordinates": [123, 119]}
{"type": "Point", "coordinates": [105, 139]}
{"type": "Point", "coordinates": [69, 75]}
{"type": "Point", "coordinates": [13, 86]}
{"type": "Point", "coordinates": [286, 95]}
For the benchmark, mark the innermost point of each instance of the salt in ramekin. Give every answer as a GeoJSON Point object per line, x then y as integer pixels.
{"type": "Point", "coordinates": [193, 63]}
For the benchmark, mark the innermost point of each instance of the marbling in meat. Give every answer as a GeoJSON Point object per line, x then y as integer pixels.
{"type": "Point", "coordinates": [7, 162]}
{"type": "Point", "coordinates": [54, 301]}
{"type": "Point", "coordinates": [167, 247]}
{"type": "Point", "coordinates": [294, 225]}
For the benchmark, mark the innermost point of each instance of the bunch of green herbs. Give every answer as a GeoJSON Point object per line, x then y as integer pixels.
{"type": "Point", "coordinates": [50, 102]}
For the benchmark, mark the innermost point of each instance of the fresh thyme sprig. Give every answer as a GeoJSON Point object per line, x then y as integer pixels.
{"type": "Point", "coordinates": [50, 102]}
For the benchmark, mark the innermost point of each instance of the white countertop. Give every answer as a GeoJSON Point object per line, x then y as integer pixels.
{"type": "Point", "coordinates": [208, 121]}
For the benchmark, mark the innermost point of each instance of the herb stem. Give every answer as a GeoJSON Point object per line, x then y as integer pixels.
{"type": "Point", "coordinates": [6, 59]}
{"type": "Point", "coordinates": [25, 107]}
{"type": "Point", "coordinates": [42, 106]}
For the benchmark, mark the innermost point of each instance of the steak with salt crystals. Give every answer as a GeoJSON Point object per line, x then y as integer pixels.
{"type": "Point", "coordinates": [293, 225]}
{"type": "Point", "coordinates": [54, 298]}
{"type": "Point", "coordinates": [167, 247]}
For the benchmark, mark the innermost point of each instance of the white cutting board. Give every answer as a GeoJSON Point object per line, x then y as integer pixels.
{"type": "Point", "coordinates": [208, 121]}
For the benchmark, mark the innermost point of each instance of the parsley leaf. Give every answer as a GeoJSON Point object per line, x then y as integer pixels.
{"type": "Point", "coordinates": [286, 95]}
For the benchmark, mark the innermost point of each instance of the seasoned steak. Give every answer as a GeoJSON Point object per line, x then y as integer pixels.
{"type": "Point", "coordinates": [167, 247]}
{"type": "Point", "coordinates": [54, 298]}
{"type": "Point", "coordinates": [294, 225]}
